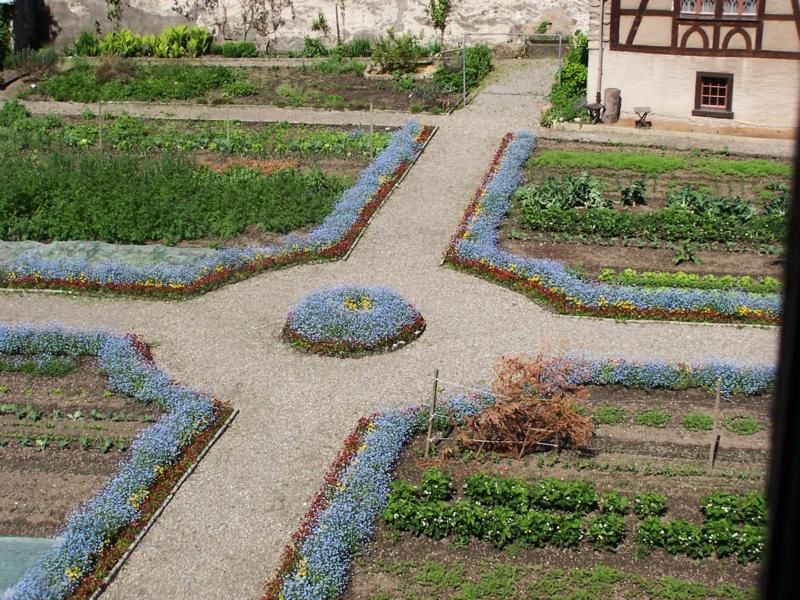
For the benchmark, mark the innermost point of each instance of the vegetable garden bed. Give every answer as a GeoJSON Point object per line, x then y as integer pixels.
{"type": "Point", "coordinates": [726, 215]}
{"type": "Point", "coordinates": [98, 533]}
{"type": "Point", "coordinates": [523, 522]}
{"type": "Point", "coordinates": [477, 247]}
{"type": "Point", "coordinates": [331, 84]}
{"type": "Point", "coordinates": [331, 238]}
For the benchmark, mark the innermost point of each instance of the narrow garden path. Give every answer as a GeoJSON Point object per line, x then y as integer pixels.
{"type": "Point", "coordinates": [222, 535]}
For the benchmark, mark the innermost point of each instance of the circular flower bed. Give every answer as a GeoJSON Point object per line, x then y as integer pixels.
{"type": "Point", "coordinates": [346, 320]}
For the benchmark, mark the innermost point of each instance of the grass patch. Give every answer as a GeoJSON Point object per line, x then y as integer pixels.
{"type": "Point", "coordinates": [698, 422]}
{"type": "Point", "coordinates": [742, 424]}
{"type": "Point", "coordinates": [652, 164]}
{"type": "Point", "coordinates": [656, 164]}
{"type": "Point", "coordinates": [609, 415]}
{"type": "Point", "coordinates": [132, 200]}
{"type": "Point", "coordinates": [652, 418]}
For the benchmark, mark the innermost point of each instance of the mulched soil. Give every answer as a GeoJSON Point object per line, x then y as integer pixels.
{"type": "Point", "coordinates": [591, 257]}
{"type": "Point", "coordinates": [617, 464]}
{"type": "Point", "coordinates": [38, 489]}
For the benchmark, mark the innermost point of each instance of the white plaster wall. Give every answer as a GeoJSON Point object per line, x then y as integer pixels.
{"type": "Point", "coordinates": [363, 17]}
{"type": "Point", "coordinates": [765, 91]}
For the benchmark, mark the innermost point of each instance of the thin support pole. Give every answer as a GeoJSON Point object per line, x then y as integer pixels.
{"type": "Point", "coordinates": [464, 70]}
{"type": "Point", "coordinates": [560, 37]}
{"type": "Point", "coordinates": [100, 123]}
{"type": "Point", "coordinates": [712, 451]}
{"type": "Point", "coordinates": [433, 411]}
{"type": "Point", "coordinates": [228, 133]}
{"type": "Point", "coordinates": [371, 130]}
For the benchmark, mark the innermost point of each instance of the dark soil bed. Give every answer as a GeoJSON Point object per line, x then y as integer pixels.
{"type": "Point", "coordinates": [51, 462]}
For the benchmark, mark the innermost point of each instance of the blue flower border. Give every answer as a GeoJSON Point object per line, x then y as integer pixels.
{"type": "Point", "coordinates": [93, 527]}
{"type": "Point", "coordinates": [475, 247]}
{"type": "Point", "coordinates": [331, 239]}
{"type": "Point", "coordinates": [328, 540]}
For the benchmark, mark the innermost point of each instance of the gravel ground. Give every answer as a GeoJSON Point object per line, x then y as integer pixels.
{"type": "Point", "coordinates": [222, 535]}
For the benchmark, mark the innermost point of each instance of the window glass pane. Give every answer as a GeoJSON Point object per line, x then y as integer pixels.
{"type": "Point", "coordinates": [689, 6]}
{"type": "Point", "coordinates": [730, 7]}
{"type": "Point", "coordinates": [707, 6]}
{"type": "Point", "coordinates": [749, 7]}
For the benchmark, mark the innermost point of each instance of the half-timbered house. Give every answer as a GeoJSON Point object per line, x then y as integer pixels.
{"type": "Point", "coordinates": [702, 62]}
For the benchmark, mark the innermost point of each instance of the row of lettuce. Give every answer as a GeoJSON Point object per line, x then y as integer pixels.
{"type": "Point", "coordinates": [356, 489]}
{"type": "Point", "coordinates": [154, 463]}
{"type": "Point", "coordinates": [330, 240]}
{"type": "Point", "coordinates": [475, 248]}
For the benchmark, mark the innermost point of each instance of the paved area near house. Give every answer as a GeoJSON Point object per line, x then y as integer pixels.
{"type": "Point", "coordinates": [222, 535]}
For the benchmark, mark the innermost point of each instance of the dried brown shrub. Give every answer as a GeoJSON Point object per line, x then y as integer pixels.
{"type": "Point", "coordinates": [115, 68]}
{"type": "Point", "coordinates": [535, 404]}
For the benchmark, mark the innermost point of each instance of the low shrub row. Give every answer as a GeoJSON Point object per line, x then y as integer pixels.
{"type": "Point", "coordinates": [567, 96]}
{"type": "Point", "coordinates": [755, 285]}
{"type": "Point", "coordinates": [38, 364]}
{"type": "Point", "coordinates": [133, 200]}
{"type": "Point", "coordinates": [503, 511]}
{"type": "Point", "coordinates": [670, 224]}
{"type": "Point", "coordinates": [174, 42]}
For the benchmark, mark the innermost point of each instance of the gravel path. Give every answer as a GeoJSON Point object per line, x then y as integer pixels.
{"type": "Point", "coordinates": [222, 535]}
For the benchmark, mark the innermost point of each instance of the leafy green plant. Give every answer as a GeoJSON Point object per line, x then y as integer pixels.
{"type": "Point", "coordinates": [397, 52]}
{"type": "Point", "coordinates": [436, 485]}
{"type": "Point", "coordinates": [634, 194]}
{"type": "Point", "coordinates": [75, 416]}
{"type": "Point", "coordinates": [402, 82]}
{"type": "Point", "coordinates": [42, 442]}
{"type": "Point", "coordinates": [684, 251]}
{"type": "Point", "coordinates": [33, 413]}
{"type": "Point", "coordinates": [613, 503]}
{"type": "Point", "coordinates": [607, 531]}
{"type": "Point", "coordinates": [609, 415]}
{"type": "Point", "coordinates": [779, 200]}
{"type": "Point", "coordinates": [478, 66]}
{"type": "Point", "coordinates": [4, 389]}
{"type": "Point", "coordinates": [121, 444]}
{"type": "Point", "coordinates": [240, 49]}
{"type": "Point", "coordinates": [87, 44]}
{"type": "Point", "coordinates": [761, 285]}
{"type": "Point", "coordinates": [96, 415]}
{"type": "Point", "coordinates": [84, 442]}
{"type": "Point", "coordinates": [741, 424]}
{"type": "Point", "coordinates": [104, 444]}
{"type": "Point", "coordinates": [438, 11]}
{"type": "Point", "coordinates": [569, 89]}
{"type": "Point", "coordinates": [652, 418]}
{"type": "Point", "coordinates": [698, 421]}
{"type": "Point", "coordinates": [649, 505]}
{"type": "Point", "coordinates": [239, 89]}
{"type": "Point", "coordinates": [339, 66]}
{"type": "Point", "coordinates": [568, 192]}
{"type": "Point", "coordinates": [62, 444]}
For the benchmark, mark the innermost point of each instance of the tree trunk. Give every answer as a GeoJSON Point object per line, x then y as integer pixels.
{"type": "Point", "coordinates": [613, 102]}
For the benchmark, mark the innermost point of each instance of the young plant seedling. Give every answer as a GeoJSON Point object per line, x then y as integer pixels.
{"type": "Point", "coordinates": [4, 389]}
{"type": "Point", "coordinates": [62, 444]}
{"type": "Point", "coordinates": [76, 415]}
{"type": "Point", "coordinates": [32, 413]}
{"type": "Point", "coordinates": [41, 442]}
{"type": "Point", "coordinates": [104, 445]}
{"type": "Point", "coordinates": [84, 442]}
{"type": "Point", "coordinates": [121, 444]}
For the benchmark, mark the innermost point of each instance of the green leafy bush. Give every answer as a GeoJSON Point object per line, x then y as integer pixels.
{"type": "Point", "coordinates": [607, 531]}
{"type": "Point", "coordinates": [397, 52]}
{"type": "Point", "coordinates": [634, 194]}
{"type": "Point", "coordinates": [652, 418]}
{"type": "Point", "coordinates": [336, 65]}
{"type": "Point", "coordinates": [240, 49]}
{"type": "Point", "coordinates": [570, 496]}
{"type": "Point", "coordinates": [779, 200]}
{"type": "Point", "coordinates": [87, 44]}
{"type": "Point", "coordinates": [693, 200]}
{"type": "Point", "coordinates": [609, 415]}
{"type": "Point", "coordinates": [497, 491]}
{"type": "Point", "coordinates": [133, 200]}
{"type": "Point", "coordinates": [479, 65]}
{"type": "Point", "coordinates": [742, 424]}
{"type": "Point", "coordinates": [761, 285]}
{"type": "Point", "coordinates": [649, 505]}
{"type": "Point", "coordinates": [613, 503]}
{"type": "Point", "coordinates": [357, 48]}
{"type": "Point", "coordinates": [312, 48]}
{"type": "Point", "coordinates": [5, 31]}
{"type": "Point", "coordinates": [720, 506]}
{"type": "Point", "coordinates": [698, 422]}
{"type": "Point", "coordinates": [239, 89]}
{"type": "Point", "coordinates": [569, 90]}
{"type": "Point", "coordinates": [436, 485]}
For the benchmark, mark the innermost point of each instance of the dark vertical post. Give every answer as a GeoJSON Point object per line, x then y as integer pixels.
{"type": "Point", "coordinates": [780, 569]}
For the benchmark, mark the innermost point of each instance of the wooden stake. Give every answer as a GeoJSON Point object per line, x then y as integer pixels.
{"type": "Point", "coordinates": [100, 125]}
{"type": "Point", "coordinates": [712, 451]}
{"type": "Point", "coordinates": [371, 130]}
{"type": "Point", "coordinates": [433, 412]}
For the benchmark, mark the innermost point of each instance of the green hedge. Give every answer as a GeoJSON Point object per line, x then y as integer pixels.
{"type": "Point", "coordinates": [569, 90]}
{"type": "Point", "coordinates": [759, 285]}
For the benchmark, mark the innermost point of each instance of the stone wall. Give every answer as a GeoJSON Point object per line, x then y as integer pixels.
{"type": "Point", "coordinates": [363, 18]}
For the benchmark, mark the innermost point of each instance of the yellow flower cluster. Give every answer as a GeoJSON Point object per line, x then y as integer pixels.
{"type": "Point", "coordinates": [73, 573]}
{"type": "Point", "coordinates": [358, 303]}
